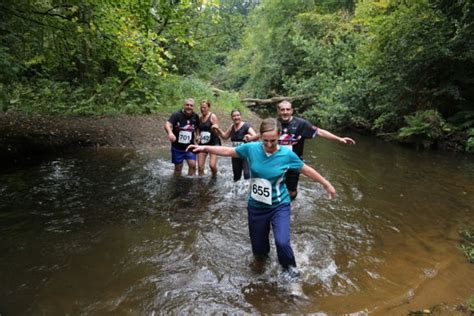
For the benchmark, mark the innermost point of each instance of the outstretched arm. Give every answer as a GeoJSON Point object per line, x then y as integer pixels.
{"type": "Point", "coordinates": [328, 135]}
{"type": "Point", "coordinates": [217, 150]}
{"type": "Point", "coordinates": [251, 135]}
{"type": "Point", "coordinates": [220, 133]}
{"type": "Point", "coordinates": [315, 176]}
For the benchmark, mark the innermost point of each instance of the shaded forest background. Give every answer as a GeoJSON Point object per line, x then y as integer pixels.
{"type": "Point", "coordinates": [402, 70]}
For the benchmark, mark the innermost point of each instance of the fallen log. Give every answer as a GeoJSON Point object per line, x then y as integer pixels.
{"type": "Point", "coordinates": [274, 100]}
{"type": "Point", "coordinates": [216, 91]}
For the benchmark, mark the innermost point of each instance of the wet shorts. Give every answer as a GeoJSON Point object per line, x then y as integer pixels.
{"type": "Point", "coordinates": [178, 156]}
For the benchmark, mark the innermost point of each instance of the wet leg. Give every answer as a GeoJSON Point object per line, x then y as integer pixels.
{"type": "Point", "coordinates": [259, 228]}
{"type": "Point", "coordinates": [237, 168]}
{"type": "Point", "coordinates": [281, 230]}
{"type": "Point", "coordinates": [191, 167]}
{"type": "Point", "coordinates": [246, 168]}
{"type": "Point", "coordinates": [178, 168]}
{"type": "Point", "coordinates": [201, 157]}
{"type": "Point", "coordinates": [213, 164]}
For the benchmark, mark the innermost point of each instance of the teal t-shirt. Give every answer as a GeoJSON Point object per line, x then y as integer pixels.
{"type": "Point", "coordinates": [267, 188]}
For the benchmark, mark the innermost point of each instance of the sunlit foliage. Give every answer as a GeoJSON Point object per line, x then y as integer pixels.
{"type": "Point", "coordinates": [89, 57]}
{"type": "Point", "coordinates": [371, 66]}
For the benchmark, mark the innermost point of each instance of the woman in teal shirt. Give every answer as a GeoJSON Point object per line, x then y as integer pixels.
{"type": "Point", "coordinates": [269, 203]}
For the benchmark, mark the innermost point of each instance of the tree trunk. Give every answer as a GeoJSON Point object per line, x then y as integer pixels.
{"type": "Point", "coordinates": [275, 100]}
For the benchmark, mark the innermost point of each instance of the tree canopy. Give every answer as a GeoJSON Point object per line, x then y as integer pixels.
{"type": "Point", "coordinates": [107, 56]}
{"type": "Point", "coordinates": [399, 69]}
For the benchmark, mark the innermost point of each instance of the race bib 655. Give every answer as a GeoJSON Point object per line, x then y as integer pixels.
{"type": "Point", "coordinates": [261, 190]}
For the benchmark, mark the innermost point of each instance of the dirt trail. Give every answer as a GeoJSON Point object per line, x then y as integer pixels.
{"type": "Point", "coordinates": [23, 135]}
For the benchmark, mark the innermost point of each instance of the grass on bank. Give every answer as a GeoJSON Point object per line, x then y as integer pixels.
{"type": "Point", "coordinates": [141, 97]}
{"type": "Point", "coordinates": [467, 244]}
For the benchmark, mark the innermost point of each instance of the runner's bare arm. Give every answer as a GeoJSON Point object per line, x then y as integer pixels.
{"type": "Point", "coordinates": [251, 135]}
{"type": "Point", "coordinates": [217, 150]}
{"type": "Point", "coordinates": [219, 132]}
{"type": "Point", "coordinates": [328, 135]}
{"type": "Point", "coordinates": [169, 132]}
{"type": "Point", "coordinates": [197, 136]}
{"type": "Point", "coordinates": [215, 122]}
{"type": "Point", "coordinates": [315, 176]}
{"type": "Point", "coordinates": [214, 119]}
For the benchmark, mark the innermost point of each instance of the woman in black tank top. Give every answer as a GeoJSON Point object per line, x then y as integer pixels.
{"type": "Point", "coordinates": [207, 137]}
{"type": "Point", "coordinates": [239, 132]}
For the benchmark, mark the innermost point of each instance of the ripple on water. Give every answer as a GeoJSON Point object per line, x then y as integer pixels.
{"type": "Point", "coordinates": [132, 238]}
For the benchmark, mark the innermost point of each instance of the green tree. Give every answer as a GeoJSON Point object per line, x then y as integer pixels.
{"type": "Point", "coordinates": [418, 57]}
{"type": "Point", "coordinates": [98, 51]}
{"type": "Point", "coordinates": [267, 54]}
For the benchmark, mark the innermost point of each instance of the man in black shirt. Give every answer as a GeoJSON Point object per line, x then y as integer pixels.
{"type": "Point", "coordinates": [293, 133]}
{"type": "Point", "coordinates": [181, 129]}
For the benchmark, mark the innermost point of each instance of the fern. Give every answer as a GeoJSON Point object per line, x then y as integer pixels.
{"type": "Point", "coordinates": [424, 127]}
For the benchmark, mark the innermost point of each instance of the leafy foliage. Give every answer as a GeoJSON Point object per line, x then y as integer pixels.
{"type": "Point", "coordinates": [267, 55]}
{"type": "Point", "coordinates": [470, 303]}
{"type": "Point", "coordinates": [470, 140]}
{"type": "Point", "coordinates": [467, 245]}
{"type": "Point", "coordinates": [425, 127]}
{"type": "Point", "coordinates": [46, 96]}
{"type": "Point", "coordinates": [89, 57]}
{"type": "Point", "coordinates": [368, 67]}
{"type": "Point", "coordinates": [387, 67]}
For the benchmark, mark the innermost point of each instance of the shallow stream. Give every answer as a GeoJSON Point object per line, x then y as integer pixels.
{"type": "Point", "coordinates": [113, 231]}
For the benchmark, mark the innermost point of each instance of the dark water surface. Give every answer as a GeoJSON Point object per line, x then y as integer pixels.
{"type": "Point", "coordinates": [112, 231]}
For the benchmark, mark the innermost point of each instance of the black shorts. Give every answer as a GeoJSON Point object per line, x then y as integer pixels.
{"type": "Point", "coordinates": [292, 177]}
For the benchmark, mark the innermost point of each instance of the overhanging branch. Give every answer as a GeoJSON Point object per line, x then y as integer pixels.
{"type": "Point", "coordinates": [275, 100]}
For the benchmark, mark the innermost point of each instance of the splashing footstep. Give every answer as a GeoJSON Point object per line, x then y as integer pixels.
{"type": "Point", "coordinates": [295, 289]}
{"type": "Point", "coordinates": [293, 284]}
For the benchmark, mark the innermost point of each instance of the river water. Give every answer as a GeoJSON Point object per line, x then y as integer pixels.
{"type": "Point", "coordinates": [113, 231]}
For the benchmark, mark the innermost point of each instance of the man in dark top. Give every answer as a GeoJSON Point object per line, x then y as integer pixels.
{"type": "Point", "coordinates": [182, 128]}
{"type": "Point", "coordinates": [293, 133]}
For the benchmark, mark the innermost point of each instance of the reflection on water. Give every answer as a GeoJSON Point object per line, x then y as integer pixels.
{"type": "Point", "coordinates": [114, 231]}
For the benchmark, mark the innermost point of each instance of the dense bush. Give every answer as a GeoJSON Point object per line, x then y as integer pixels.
{"type": "Point", "coordinates": [381, 66]}
{"type": "Point", "coordinates": [89, 57]}
{"type": "Point", "coordinates": [423, 128]}
{"type": "Point", "coordinates": [165, 95]}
